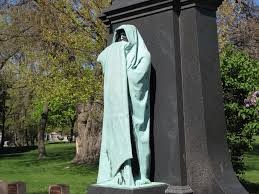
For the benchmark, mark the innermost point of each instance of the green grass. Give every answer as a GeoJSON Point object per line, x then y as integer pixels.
{"type": "Point", "coordinates": [251, 176]}
{"type": "Point", "coordinates": [56, 168]}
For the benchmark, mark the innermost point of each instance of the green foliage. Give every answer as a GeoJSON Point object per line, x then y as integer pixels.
{"type": "Point", "coordinates": [71, 37]}
{"type": "Point", "coordinates": [240, 78]}
{"type": "Point", "coordinates": [57, 42]}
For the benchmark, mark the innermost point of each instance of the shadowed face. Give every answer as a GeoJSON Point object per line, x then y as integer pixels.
{"type": "Point", "coordinates": [121, 36]}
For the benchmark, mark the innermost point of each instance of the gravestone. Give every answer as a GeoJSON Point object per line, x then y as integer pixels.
{"type": "Point", "coordinates": [17, 188]}
{"type": "Point", "coordinates": [6, 144]}
{"type": "Point", "coordinates": [3, 187]}
{"type": "Point", "coordinates": [189, 147]}
{"type": "Point", "coordinates": [59, 189]}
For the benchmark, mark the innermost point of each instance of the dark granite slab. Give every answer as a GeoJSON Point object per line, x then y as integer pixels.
{"type": "Point", "coordinates": [152, 189]}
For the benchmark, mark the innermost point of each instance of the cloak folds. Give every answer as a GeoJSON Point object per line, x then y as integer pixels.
{"type": "Point", "coordinates": [126, 68]}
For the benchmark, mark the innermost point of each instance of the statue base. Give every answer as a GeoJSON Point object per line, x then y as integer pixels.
{"type": "Point", "coordinates": [154, 188]}
{"type": "Point", "coordinates": [179, 190]}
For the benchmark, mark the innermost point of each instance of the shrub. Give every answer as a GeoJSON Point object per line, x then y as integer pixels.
{"type": "Point", "coordinates": [240, 80]}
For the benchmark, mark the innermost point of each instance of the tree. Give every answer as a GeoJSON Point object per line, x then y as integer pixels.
{"type": "Point", "coordinates": [240, 79]}
{"type": "Point", "coordinates": [18, 99]}
{"type": "Point", "coordinates": [41, 132]}
{"type": "Point", "coordinates": [15, 35]}
{"type": "Point", "coordinates": [77, 41]}
{"type": "Point", "coordinates": [3, 110]}
{"type": "Point", "coordinates": [59, 41]}
{"type": "Point", "coordinates": [88, 128]}
{"type": "Point", "coordinates": [238, 25]}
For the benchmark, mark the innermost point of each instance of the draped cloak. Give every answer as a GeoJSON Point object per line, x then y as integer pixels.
{"type": "Point", "coordinates": [126, 67]}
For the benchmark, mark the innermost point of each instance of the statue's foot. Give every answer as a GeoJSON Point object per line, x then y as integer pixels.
{"type": "Point", "coordinates": [142, 181]}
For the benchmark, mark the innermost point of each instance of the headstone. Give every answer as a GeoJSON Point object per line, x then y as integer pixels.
{"type": "Point", "coordinates": [188, 127]}
{"type": "Point", "coordinates": [3, 187]}
{"type": "Point", "coordinates": [0, 136]}
{"type": "Point", "coordinates": [65, 139]}
{"type": "Point", "coordinates": [59, 189]}
{"type": "Point", "coordinates": [6, 144]}
{"type": "Point", "coordinates": [53, 137]}
{"type": "Point", "coordinates": [17, 188]}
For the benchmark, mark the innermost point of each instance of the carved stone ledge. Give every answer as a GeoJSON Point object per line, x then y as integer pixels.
{"type": "Point", "coordinates": [125, 10]}
{"type": "Point", "coordinates": [206, 4]}
{"type": "Point", "coordinates": [179, 190]}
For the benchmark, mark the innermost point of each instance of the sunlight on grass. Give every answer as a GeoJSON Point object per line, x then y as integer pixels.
{"type": "Point", "coordinates": [252, 163]}
{"type": "Point", "coordinates": [56, 168]}
{"type": "Point", "coordinates": [251, 175]}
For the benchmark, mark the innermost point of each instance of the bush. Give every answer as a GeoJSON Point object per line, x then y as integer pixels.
{"type": "Point", "coordinates": [240, 79]}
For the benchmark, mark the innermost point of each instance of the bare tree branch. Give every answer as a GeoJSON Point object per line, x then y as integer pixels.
{"type": "Point", "coordinates": [4, 59]}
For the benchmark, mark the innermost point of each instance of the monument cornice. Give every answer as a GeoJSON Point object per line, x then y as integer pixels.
{"type": "Point", "coordinates": [122, 10]}
{"type": "Point", "coordinates": [206, 4]}
{"type": "Point", "coordinates": [119, 12]}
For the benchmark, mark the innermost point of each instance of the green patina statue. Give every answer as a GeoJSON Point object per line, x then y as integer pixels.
{"type": "Point", "coordinates": [126, 122]}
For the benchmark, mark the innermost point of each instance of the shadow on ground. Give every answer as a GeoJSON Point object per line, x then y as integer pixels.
{"type": "Point", "coordinates": [252, 188]}
{"type": "Point", "coordinates": [16, 150]}
{"type": "Point", "coordinates": [255, 149]}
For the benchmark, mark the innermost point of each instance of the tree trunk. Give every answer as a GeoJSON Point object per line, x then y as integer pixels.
{"type": "Point", "coordinates": [3, 132]}
{"type": "Point", "coordinates": [26, 137]}
{"type": "Point", "coordinates": [88, 128]}
{"type": "Point", "coordinates": [3, 122]}
{"type": "Point", "coordinates": [41, 132]}
{"type": "Point", "coordinates": [72, 130]}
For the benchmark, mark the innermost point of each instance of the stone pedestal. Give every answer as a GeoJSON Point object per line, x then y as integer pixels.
{"type": "Point", "coordinates": [59, 189]}
{"type": "Point", "coordinates": [3, 187]}
{"type": "Point", "coordinates": [188, 129]}
{"type": "Point", "coordinates": [154, 189]}
{"type": "Point", "coordinates": [17, 188]}
{"type": "Point", "coordinates": [179, 190]}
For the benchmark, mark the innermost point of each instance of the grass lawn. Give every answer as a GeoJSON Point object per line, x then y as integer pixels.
{"type": "Point", "coordinates": [251, 175]}
{"type": "Point", "coordinates": [56, 168]}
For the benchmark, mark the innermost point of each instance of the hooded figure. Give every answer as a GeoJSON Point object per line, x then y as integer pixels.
{"type": "Point", "coordinates": [126, 66]}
